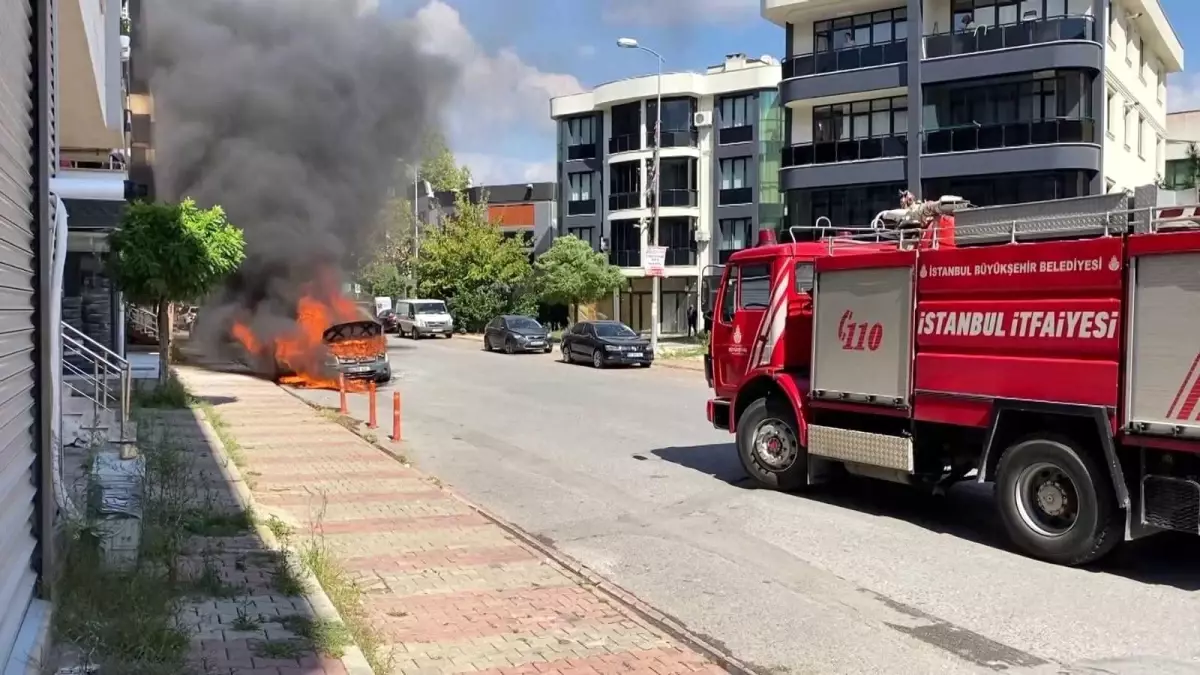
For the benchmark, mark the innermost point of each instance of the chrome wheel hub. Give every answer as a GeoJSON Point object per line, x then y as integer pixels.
{"type": "Point", "coordinates": [1047, 499]}
{"type": "Point", "coordinates": [775, 445]}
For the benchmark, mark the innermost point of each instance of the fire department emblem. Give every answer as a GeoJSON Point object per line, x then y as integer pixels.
{"type": "Point", "coordinates": [924, 271]}
{"type": "Point", "coordinates": [1114, 264]}
{"type": "Point", "coordinates": [737, 335]}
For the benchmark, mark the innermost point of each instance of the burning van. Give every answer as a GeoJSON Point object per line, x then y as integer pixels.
{"type": "Point", "coordinates": [358, 350]}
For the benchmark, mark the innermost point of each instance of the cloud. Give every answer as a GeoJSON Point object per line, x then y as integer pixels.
{"type": "Point", "coordinates": [669, 12]}
{"type": "Point", "coordinates": [1183, 92]}
{"type": "Point", "coordinates": [488, 169]}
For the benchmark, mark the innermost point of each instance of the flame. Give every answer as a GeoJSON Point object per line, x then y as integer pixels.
{"type": "Point", "coordinates": [301, 352]}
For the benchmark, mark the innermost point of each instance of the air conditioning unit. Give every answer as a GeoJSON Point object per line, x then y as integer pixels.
{"type": "Point", "coordinates": [702, 119]}
{"type": "Point", "coordinates": [702, 235]}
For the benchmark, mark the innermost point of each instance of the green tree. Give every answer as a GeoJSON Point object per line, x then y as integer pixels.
{"type": "Point", "coordinates": [165, 253]}
{"type": "Point", "coordinates": [386, 266]}
{"type": "Point", "coordinates": [571, 273]}
{"type": "Point", "coordinates": [439, 167]}
{"type": "Point", "coordinates": [470, 264]}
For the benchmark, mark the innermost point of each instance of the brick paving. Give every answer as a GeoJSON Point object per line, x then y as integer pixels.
{"type": "Point", "coordinates": [451, 591]}
{"type": "Point", "coordinates": [240, 623]}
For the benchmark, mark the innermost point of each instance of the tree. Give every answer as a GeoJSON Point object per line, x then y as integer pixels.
{"type": "Point", "coordinates": [439, 167]}
{"type": "Point", "coordinates": [386, 268]}
{"type": "Point", "coordinates": [165, 253]}
{"type": "Point", "coordinates": [471, 265]}
{"type": "Point", "coordinates": [571, 273]}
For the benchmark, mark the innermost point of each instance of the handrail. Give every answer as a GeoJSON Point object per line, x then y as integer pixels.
{"type": "Point", "coordinates": [87, 339]}
{"type": "Point", "coordinates": [105, 363]}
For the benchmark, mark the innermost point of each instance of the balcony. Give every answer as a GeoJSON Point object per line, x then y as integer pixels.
{"type": "Point", "coordinates": [1067, 42]}
{"type": "Point", "coordinates": [620, 201]}
{"type": "Point", "coordinates": [624, 143]}
{"type": "Point", "coordinates": [845, 151]}
{"type": "Point", "coordinates": [677, 198]}
{"type": "Point", "coordinates": [583, 151]}
{"type": "Point", "coordinates": [1013, 147]}
{"type": "Point", "coordinates": [674, 138]}
{"type": "Point", "coordinates": [581, 207]}
{"type": "Point", "coordinates": [625, 257]}
{"type": "Point", "coordinates": [731, 135]}
{"type": "Point", "coordinates": [680, 256]}
{"type": "Point", "coordinates": [90, 107]}
{"type": "Point", "coordinates": [844, 71]}
{"type": "Point", "coordinates": [1010, 135]}
{"type": "Point", "coordinates": [733, 196]}
{"type": "Point", "coordinates": [724, 254]}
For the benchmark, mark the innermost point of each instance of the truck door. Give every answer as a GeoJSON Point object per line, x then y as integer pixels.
{"type": "Point", "coordinates": [745, 297]}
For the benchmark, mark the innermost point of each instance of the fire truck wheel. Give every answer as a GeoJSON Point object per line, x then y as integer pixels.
{"type": "Point", "coordinates": [769, 446]}
{"type": "Point", "coordinates": [1057, 502]}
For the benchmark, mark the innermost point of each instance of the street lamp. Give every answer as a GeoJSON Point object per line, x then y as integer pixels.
{"type": "Point", "coordinates": [655, 290]}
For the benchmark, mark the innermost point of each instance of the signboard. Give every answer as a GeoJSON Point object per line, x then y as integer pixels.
{"type": "Point", "coordinates": [656, 261]}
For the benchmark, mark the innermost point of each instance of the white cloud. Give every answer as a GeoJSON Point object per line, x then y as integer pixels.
{"type": "Point", "coordinates": [1183, 92]}
{"type": "Point", "coordinates": [666, 12]}
{"type": "Point", "coordinates": [498, 170]}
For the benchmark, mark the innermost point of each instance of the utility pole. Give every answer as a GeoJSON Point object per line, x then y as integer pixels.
{"type": "Point", "coordinates": [656, 284]}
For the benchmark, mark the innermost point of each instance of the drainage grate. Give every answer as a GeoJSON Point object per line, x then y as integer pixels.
{"type": "Point", "coordinates": [1171, 503]}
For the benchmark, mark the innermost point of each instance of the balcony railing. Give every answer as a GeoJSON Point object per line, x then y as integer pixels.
{"type": "Point", "coordinates": [682, 198]}
{"type": "Point", "coordinates": [1009, 135]}
{"type": "Point", "coordinates": [724, 253]}
{"type": "Point", "coordinates": [681, 255]}
{"type": "Point", "coordinates": [730, 135]}
{"type": "Point", "coordinates": [989, 38]}
{"type": "Point", "coordinates": [581, 207]}
{"type": "Point", "coordinates": [845, 151]}
{"type": "Point", "coordinates": [625, 257]}
{"type": "Point", "coordinates": [674, 138]}
{"type": "Point", "coordinates": [92, 164]}
{"type": "Point", "coordinates": [624, 200]}
{"type": "Point", "coordinates": [624, 143]}
{"type": "Point", "coordinates": [730, 196]}
{"type": "Point", "coordinates": [847, 58]}
{"type": "Point", "coordinates": [583, 151]}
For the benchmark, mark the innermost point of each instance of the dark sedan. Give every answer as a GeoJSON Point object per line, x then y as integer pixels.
{"type": "Point", "coordinates": [516, 334]}
{"type": "Point", "coordinates": [391, 322]}
{"type": "Point", "coordinates": [605, 343]}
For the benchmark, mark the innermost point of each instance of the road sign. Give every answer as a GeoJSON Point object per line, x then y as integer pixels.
{"type": "Point", "coordinates": [656, 261]}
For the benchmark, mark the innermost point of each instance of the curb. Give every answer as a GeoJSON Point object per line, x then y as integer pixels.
{"type": "Point", "coordinates": [580, 573]}
{"type": "Point", "coordinates": [353, 657]}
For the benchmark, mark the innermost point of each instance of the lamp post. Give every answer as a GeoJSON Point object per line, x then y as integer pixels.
{"type": "Point", "coordinates": [655, 289]}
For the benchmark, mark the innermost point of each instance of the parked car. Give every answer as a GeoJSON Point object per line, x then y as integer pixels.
{"type": "Point", "coordinates": [514, 333]}
{"type": "Point", "coordinates": [605, 343]}
{"type": "Point", "coordinates": [391, 322]}
{"type": "Point", "coordinates": [358, 350]}
{"type": "Point", "coordinates": [418, 318]}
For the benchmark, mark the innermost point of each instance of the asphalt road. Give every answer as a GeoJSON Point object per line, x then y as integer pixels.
{"type": "Point", "coordinates": [619, 469]}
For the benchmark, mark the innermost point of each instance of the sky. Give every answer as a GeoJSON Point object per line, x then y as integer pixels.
{"type": "Point", "coordinates": [516, 54]}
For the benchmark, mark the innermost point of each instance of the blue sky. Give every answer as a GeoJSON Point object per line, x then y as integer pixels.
{"type": "Point", "coordinates": [515, 54]}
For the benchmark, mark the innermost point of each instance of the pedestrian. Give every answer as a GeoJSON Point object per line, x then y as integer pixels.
{"type": "Point", "coordinates": [691, 319]}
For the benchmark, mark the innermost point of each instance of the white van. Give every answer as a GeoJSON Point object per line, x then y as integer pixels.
{"type": "Point", "coordinates": [418, 318]}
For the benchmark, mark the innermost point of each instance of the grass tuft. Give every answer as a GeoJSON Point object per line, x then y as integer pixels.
{"type": "Point", "coordinates": [164, 395]}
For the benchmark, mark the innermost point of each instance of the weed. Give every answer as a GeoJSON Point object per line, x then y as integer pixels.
{"type": "Point", "coordinates": [209, 523]}
{"type": "Point", "coordinates": [244, 622]}
{"type": "Point", "coordinates": [285, 579]}
{"type": "Point", "coordinates": [208, 583]}
{"type": "Point", "coordinates": [282, 531]}
{"type": "Point", "coordinates": [334, 415]}
{"type": "Point", "coordinates": [232, 449]}
{"type": "Point", "coordinates": [280, 649]}
{"type": "Point", "coordinates": [169, 394]}
{"type": "Point", "coordinates": [326, 637]}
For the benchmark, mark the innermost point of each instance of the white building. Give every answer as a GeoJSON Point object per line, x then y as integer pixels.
{"type": "Point", "coordinates": [1018, 100]}
{"type": "Point", "coordinates": [721, 135]}
{"type": "Point", "coordinates": [60, 86]}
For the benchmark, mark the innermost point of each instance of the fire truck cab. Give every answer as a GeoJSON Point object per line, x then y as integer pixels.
{"type": "Point", "coordinates": [1051, 348]}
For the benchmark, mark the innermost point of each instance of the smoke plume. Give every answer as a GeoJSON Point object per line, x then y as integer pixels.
{"type": "Point", "coordinates": [290, 114]}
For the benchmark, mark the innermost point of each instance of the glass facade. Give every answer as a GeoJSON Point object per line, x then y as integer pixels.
{"type": "Point", "coordinates": [770, 148]}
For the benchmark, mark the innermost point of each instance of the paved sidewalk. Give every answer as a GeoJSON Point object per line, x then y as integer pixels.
{"type": "Point", "coordinates": [240, 620]}
{"type": "Point", "coordinates": [451, 591]}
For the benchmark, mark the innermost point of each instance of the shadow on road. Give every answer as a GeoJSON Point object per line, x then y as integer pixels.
{"type": "Point", "coordinates": [967, 511]}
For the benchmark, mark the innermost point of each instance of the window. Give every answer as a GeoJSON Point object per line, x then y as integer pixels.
{"type": "Point", "coordinates": [1141, 49]}
{"type": "Point", "coordinates": [1141, 125]}
{"type": "Point", "coordinates": [581, 131]}
{"type": "Point", "coordinates": [861, 30]}
{"type": "Point", "coordinates": [1128, 109]}
{"type": "Point", "coordinates": [1129, 38]}
{"type": "Point", "coordinates": [971, 15]}
{"type": "Point", "coordinates": [1112, 22]}
{"type": "Point", "coordinates": [729, 297]}
{"type": "Point", "coordinates": [584, 233]}
{"type": "Point", "coordinates": [734, 234]}
{"type": "Point", "coordinates": [733, 173]}
{"type": "Point", "coordinates": [735, 111]}
{"type": "Point", "coordinates": [1108, 107]}
{"type": "Point", "coordinates": [862, 119]}
{"type": "Point", "coordinates": [756, 287]}
{"type": "Point", "coordinates": [804, 277]}
{"type": "Point", "coordinates": [580, 186]}
{"type": "Point", "coordinates": [1158, 146]}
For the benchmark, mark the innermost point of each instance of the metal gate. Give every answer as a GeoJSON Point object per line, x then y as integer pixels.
{"type": "Point", "coordinates": [19, 201]}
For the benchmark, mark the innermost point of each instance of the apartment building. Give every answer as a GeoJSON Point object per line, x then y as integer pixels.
{"type": "Point", "coordinates": [56, 90]}
{"type": "Point", "coordinates": [999, 101]}
{"type": "Point", "coordinates": [1183, 150]}
{"type": "Point", "coordinates": [721, 137]}
{"type": "Point", "coordinates": [525, 211]}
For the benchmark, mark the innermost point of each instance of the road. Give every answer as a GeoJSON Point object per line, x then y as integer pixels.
{"type": "Point", "coordinates": [619, 470]}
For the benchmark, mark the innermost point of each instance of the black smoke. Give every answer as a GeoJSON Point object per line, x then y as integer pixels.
{"type": "Point", "coordinates": [290, 114]}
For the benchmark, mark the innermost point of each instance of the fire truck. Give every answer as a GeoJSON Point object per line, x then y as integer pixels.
{"type": "Point", "coordinates": [1049, 348]}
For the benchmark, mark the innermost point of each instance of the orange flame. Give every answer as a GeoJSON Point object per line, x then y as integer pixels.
{"type": "Point", "coordinates": [301, 352]}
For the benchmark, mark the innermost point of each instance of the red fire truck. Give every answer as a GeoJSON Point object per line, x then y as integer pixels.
{"type": "Point", "coordinates": [1052, 349]}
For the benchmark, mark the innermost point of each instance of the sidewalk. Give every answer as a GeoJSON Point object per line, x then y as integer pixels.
{"type": "Point", "coordinates": [449, 590]}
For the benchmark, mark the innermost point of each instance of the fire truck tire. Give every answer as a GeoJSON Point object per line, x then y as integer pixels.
{"type": "Point", "coordinates": [1057, 502]}
{"type": "Point", "coordinates": [765, 420]}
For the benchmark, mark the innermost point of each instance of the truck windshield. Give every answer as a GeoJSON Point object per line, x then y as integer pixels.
{"type": "Point", "coordinates": [430, 308]}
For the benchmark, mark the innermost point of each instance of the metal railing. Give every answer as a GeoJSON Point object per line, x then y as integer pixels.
{"type": "Point", "coordinates": [144, 320]}
{"type": "Point", "coordinates": [94, 368]}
